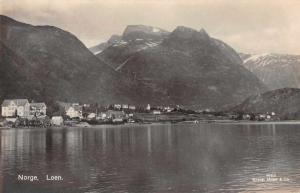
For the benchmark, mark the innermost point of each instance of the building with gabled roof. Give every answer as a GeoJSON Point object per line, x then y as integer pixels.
{"type": "Point", "coordinates": [15, 107]}
{"type": "Point", "coordinates": [38, 109]}
{"type": "Point", "coordinates": [72, 110]}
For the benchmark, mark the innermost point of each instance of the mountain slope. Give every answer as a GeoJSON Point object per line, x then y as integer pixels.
{"type": "Point", "coordinates": [102, 46]}
{"type": "Point", "coordinates": [284, 102]}
{"type": "Point", "coordinates": [185, 67]}
{"type": "Point", "coordinates": [12, 78]}
{"type": "Point", "coordinates": [268, 67]}
{"type": "Point", "coordinates": [148, 65]}
{"type": "Point", "coordinates": [134, 39]}
{"type": "Point", "coordinates": [56, 65]}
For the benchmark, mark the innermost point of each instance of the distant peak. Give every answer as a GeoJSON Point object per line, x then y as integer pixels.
{"type": "Point", "coordinates": [143, 32]}
{"type": "Point", "coordinates": [188, 33]}
{"type": "Point", "coordinates": [138, 26]}
{"type": "Point", "coordinates": [143, 28]}
{"type": "Point", "coordinates": [185, 29]}
{"type": "Point", "coordinates": [114, 38]}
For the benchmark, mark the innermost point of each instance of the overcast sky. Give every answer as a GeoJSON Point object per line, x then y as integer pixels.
{"type": "Point", "coordinates": [250, 26]}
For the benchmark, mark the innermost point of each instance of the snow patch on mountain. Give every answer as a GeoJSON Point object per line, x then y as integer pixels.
{"type": "Point", "coordinates": [155, 30]}
{"type": "Point", "coordinates": [97, 52]}
{"type": "Point", "coordinates": [256, 57]}
{"type": "Point", "coordinates": [275, 70]}
{"type": "Point", "coordinates": [120, 43]}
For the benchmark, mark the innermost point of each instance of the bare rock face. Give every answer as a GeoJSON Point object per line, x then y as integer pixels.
{"type": "Point", "coordinates": [185, 67]}
{"type": "Point", "coordinates": [275, 70]}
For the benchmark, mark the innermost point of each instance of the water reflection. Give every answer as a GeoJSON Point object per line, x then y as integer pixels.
{"type": "Point", "coordinates": [149, 139]}
{"type": "Point", "coordinates": [152, 158]}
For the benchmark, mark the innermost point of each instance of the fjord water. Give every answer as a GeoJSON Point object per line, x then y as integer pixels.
{"type": "Point", "coordinates": [152, 158]}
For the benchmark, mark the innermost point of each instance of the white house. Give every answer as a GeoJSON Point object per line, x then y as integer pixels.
{"type": "Point", "coordinates": [38, 109]}
{"type": "Point", "coordinates": [102, 115]}
{"type": "Point", "coordinates": [74, 111]}
{"type": "Point", "coordinates": [115, 114]}
{"type": "Point", "coordinates": [124, 106]}
{"type": "Point", "coordinates": [131, 107]}
{"type": "Point", "coordinates": [168, 109]}
{"type": "Point", "coordinates": [117, 106]}
{"type": "Point", "coordinates": [57, 120]}
{"type": "Point", "coordinates": [15, 107]}
{"type": "Point", "coordinates": [91, 116]}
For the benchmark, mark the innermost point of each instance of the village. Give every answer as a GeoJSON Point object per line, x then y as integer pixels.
{"type": "Point", "coordinates": [22, 113]}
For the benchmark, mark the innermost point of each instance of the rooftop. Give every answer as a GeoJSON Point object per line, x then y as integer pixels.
{"type": "Point", "coordinates": [18, 102]}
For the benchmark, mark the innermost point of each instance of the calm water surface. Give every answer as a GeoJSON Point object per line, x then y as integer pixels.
{"type": "Point", "coordinates": [179, 158]}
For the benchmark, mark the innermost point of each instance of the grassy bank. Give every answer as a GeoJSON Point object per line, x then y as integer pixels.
{"type": "Point", "coordinates": [173, 117]}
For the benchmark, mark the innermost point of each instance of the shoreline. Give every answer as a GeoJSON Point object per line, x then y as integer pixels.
{"type": "Point", "coordinates": [287, 122]}
{"type": "Point", "coordinates": [227, 122]}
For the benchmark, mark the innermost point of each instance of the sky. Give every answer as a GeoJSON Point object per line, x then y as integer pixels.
{"type": "Point", "coordinates": [249, 26]}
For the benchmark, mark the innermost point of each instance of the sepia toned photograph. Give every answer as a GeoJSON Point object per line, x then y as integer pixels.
{"type": "Point", "coordinates": [149, 96]}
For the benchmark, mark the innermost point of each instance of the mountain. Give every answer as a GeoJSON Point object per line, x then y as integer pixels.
{"type": "Point", "coordinates": [186, 67]}
{"type": "Point", "coordinates": [140, 34]}
{"type": "Point", "coordinates": [46, 63]}
{"type": "Point", "coordinates": [100, 47]}
{"type": "Point", "coordinates": [244, 56]}
{"type": "Point", "coordinates": [133, 32]}
{"type": "Point", "coordinates": [268, 67]}
{"type": "Point", "coordinates": [134, 39]}
{"type": "Point", "coordinates": [12, 78]}
{"type": "Point", "coordinates": [146, 65]}
{"type": "Point", "coordinates": [284, 102]}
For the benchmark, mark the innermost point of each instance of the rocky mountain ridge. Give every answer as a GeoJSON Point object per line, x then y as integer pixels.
{"type": "Point", "coordinates": [148, 65]}
{"type": "Point", "coordinates": [275, 70]}
{"type": "Point", "coordinates": [185, 67]}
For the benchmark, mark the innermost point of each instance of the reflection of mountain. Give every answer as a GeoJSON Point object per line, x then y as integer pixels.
{"type": "Point", "coordinates": [182, 67]}
{"type": "Point", "coordinates": [275, 70]}
{"type": "Point", "coordinates": [284, 102]}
